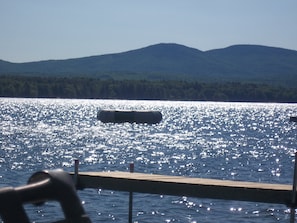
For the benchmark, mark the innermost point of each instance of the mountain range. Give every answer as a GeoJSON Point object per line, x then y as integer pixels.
{"type": "Point", "coordinates": [170, 61]}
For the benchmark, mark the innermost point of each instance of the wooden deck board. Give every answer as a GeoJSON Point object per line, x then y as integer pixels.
{"type": "Point", "coordinates": [186, 186]}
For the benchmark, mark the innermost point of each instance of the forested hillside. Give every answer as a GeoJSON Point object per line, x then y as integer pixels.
{"type": "Point", "coordinates": [239, 63]}
{"type": "Point", "coordinates": [142, 89]}
{"type": "Point", "coordinates": [163, 72]}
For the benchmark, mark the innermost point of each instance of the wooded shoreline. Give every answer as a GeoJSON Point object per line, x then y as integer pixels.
{"type": "Point", "coordinates": [92, 88]}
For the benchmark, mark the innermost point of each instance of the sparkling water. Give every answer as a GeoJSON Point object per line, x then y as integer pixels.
{"type": "Point", "coordinates": [233, 141]}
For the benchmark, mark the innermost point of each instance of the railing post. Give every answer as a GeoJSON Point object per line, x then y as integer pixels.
{"type": "Point", "coordinates": [131, 196]}
{"type": "Point", "coordinates": [75, 177]}
{"type": "Point", "coordinates": [292, 211]}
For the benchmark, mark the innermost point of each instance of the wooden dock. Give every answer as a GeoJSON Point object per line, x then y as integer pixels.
{"type": "Point", "coordinates": [186, 186]}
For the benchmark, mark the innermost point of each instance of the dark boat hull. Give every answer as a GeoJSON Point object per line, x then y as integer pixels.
{"type": "Point", "coordinates": [114, 116]}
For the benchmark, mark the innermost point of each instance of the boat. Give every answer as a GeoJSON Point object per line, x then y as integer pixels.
{"type": "Point", "coordinates": [121, 116]}
{"type": "Point", "coordinates": [293, 119]}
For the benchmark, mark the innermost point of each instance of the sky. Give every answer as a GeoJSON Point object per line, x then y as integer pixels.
{"type": "Point", "coordinates": [35, 30]}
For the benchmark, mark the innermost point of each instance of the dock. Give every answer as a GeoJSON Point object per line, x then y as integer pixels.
{"type": "Point", "coordinates": [187, 186]}
{"type": "Point", "coordinates": [61, 186]}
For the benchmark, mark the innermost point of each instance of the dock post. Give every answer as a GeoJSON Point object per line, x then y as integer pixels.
{"type": "Point", "coordinates": [131, 196]}
{"type": "Point", "coordinates": [292, 211]}
{"type": "Point", "coordinates": [75, 177]}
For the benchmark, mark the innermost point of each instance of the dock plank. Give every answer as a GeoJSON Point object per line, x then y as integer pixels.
{"type": "Point", "coordinates": [187, 186]}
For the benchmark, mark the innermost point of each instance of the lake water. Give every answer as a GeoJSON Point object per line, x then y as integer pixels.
{"type": "Point", "coordinates": [234, 141]}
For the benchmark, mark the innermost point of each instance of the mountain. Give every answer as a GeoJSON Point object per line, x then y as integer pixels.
{"type": "Point", "coordinates": [248, 63]}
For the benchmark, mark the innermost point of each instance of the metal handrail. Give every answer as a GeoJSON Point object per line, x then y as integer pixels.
{"type": "Point", "coordinates": [42, 186]}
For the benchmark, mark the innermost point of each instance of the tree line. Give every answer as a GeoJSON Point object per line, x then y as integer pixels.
{"type": "Point", "coordinates": [87, 88]}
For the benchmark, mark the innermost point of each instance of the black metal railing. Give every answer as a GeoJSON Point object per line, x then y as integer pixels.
{"type": "Point", "coordinates": [55, 185]}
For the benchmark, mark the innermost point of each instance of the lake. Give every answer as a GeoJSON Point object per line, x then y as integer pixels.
{"type": "Point", "coordinates": [233, 141]}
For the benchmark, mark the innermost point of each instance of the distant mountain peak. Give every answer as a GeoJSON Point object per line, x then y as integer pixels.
{"type": "Point", "coordinates": [166, 49]}
{"type": "Point", "coordinates": [253, 49]}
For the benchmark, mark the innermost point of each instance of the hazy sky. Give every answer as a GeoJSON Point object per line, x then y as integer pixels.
{"type": "Point", "coordinates": [33, 30]}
